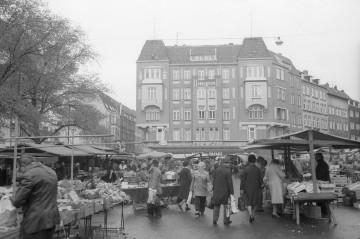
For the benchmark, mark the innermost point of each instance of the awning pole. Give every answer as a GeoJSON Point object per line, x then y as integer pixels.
{"type": "Point", "coordinates": [72, 159]}
{"type": "Point", "coordinates": [312, 160]}
{"type": "Point", "coordinates": [15, 150]}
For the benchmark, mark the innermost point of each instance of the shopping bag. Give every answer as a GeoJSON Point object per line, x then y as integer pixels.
{"type": "Point", "coordinates": [190, 199]}
{"type": "Point", "coordinates": [210, 201]}
{"type": "Point", "coordinates": [8, 214]}
{"type": "Point", "coordinates": [152, 196]}
{"type": "Point", "coordinates": [233, 204]}
{"type": "Point", "coordinates": [241, 204]}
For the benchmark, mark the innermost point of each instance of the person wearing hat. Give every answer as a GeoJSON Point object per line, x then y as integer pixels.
{"type": "Point", "coordinates": [142, 176]}
{"type": "Point", "coordinates": [222, 188]}
{"type": "Point", "coordinates": [200, 186]}
{"type": "Point", "coordinates": [250, 186]}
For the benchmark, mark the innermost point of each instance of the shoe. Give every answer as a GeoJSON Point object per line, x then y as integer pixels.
{"type": "Point", "coordinates": [275, 215]}
{"type": "Point", "coordinates": [180, 207]}
{"type": "Point", "coordinates": [251, 219]}
{"type": "Point", "coordinates": [187, 208]}
{"type": "Point", "coordinates": [280, 214]}
{"type": "Point", "coordinates": [260, 210]}
{"type": "Point", "coordinates": [227, 223]}
{"type": "Point", "coordinates": [214, 222]}
{"type": "Point", "coordinates": [197, 214]}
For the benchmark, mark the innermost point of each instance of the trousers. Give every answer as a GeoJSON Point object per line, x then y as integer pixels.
{"type": "Point", "coordinates": [199, 202]}
{"type": "Point", "coordinates": [216, 213]}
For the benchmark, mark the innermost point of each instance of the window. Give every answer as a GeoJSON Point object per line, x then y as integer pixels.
{"type": "Point", "coordinates": [225, 73]}
{"type": "Point", "coordinates": [187, 94]}
{"type": "Point", "coordinates": [212, 112]}
{"type": "Point", "coordinates": [176, 134]}
{"type": "Point", "coordinates": [251, 133]}
{"type": "Point", "coordinates": [201, 112]}
{"type": "Point", "coordinates": [187, 114]}
{"type": "Point", "coordinates": [187, 134]}
{"type": "Point", "coordinates": [280, 93]}
{"type": "Point", "coordinates": [200, 133]}
{"type": "Point", "coordinates": [304, 89]}
{"type": "Point", "coordinates": [152, 74]}
{"type": "Point", "coordinates": [211, 74]}
{"type": "Point", "coordinates": [201, 74]}
{"type": "Point", "coordinates": [176, 75]}
{"type": "Point", "coordinates": [292, 99]}
{"type": "Point", "coordinates": [226, 134]}
{"type": "Point", "coordinates": [176, 94]}
{"type": "Point", "coordinates": [256, 112]}
{"type": "Point", "coordinates": [151, 93]}
{"type": "Point", "coordinates": [255, 71]}
{"type": "Point", "coordinates": [280, 74]}
{"type": "Point", "coordinates": [357, 114]}
{"type": "Point", "coordinates": [298, 83]}
{"type": "Point", "coordinates": [201, 93]}
{"type": "Point", "coordinates": [351, 113]}
{"type": "Point", "coordinates": [312, 92]}
{"type": "Point", "coordinates": [187, 74]}
{"type": "Point", "coordinates": [256, 92]}
{"type": "Point", "coordinates": [317, 107]}
{"type": "Point", "coordinates": [214, 134]}
{"type": "Point", "coordinates": [212, 93]}
{"type": "Point", "coordinates": [280, 113]}
{"type": "Point", "coordinates": [283, 94]}
{"type": "Point", "coordinates": [305, 104]}
{"type": "Point", "coordinates": [316, 94]}
{"type": "Point", "coordinates": [226, 93]}
{"type": "Point", "coordinates": [291, 81]}
{"type": "Point", "coordinates": [152, 114]}
{"type": "Point", "coordinates": [176, 114]}
{"type": "Point", "coordinates": [226, 113]}
{"type": "Point", "coordinates": [313, 106]}
{"type": "Point", "coordinates": [308, 90]}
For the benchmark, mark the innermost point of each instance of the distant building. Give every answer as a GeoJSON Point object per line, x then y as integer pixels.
{"type": "Point", "coordinates": [354, 119]}
{"type": "Point", "coordinates": [314, 103]}
{"type": "Point", "coordinates": [338, 111]}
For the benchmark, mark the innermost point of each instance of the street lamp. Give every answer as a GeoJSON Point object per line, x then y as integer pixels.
{"type": "Point", "coordinates": [279, 42]}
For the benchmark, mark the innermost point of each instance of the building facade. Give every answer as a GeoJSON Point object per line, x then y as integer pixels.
{"type": "Point", "coordinates": [354, 119]}
{"type": "Point", "coordinates": [216, 93]}
{"type": "Point", "coordinates": [338, 110]}
{"type": "Point", "coordinates": [314, 104]}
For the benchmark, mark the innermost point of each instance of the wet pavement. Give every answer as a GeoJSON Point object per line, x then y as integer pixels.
{"type": "Point", "coordinates": [179, 225]}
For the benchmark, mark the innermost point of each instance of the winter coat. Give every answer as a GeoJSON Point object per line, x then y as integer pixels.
{"type": "Point", "coordinates": [37, 195]}
{"type": "Point", "coordinates": [200, 183]}
{"type": "Point", "coordinates": [185, 182]}
{"type": "Point", "coordinates": [274, 176]}
{"type": "Point", "coordinates": [251, 181]}
{"type": "Point", "coordinates": [3, 176]}
{"type": "Point", "coordinates": [155, 179]}
{"type": "Point", "coordinates": [322, 171]}
{"type": "Point", "coordinates": [222, 185]}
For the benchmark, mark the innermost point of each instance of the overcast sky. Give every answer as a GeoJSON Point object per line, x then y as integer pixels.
{"type": "Point", "coordinates": [322, 37]}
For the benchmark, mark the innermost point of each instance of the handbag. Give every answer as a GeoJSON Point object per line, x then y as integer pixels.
{"type": "Point", "coordinates": [190, 199]}
{"type": "Point", "coordinates": [241, 203]}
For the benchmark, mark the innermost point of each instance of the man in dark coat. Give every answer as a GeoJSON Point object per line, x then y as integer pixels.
{"type": "Point", "coordinates": [250, 185]}
{"type": "Point", "coordinates": [185, 182]}
{"type": "Point", "coordinates": [322, 168]}
{"type": "Point", "coordinates": [223, 188]}
{"type": "Point", "coordinates": [2, 173]}
{"type": "Point", "coordinates": [37, 195]}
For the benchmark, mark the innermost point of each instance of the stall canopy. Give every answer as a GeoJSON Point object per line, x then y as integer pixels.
{"type": "Point", "coordinates": [94, 150]}
{"type": "Point", "coordinates": [224, 149]}
{"type": "Point", "coordinates": [300, 140]}
{"type": "Point", "coordinates": [154, 154]}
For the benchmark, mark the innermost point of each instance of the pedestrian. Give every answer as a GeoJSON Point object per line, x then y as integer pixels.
{"type": "Point", "coordinates": [250, 186]}
{"type": "Point", "coordinates": [142, 176]}
{"type": "Point", "coordinates": [9, 175]}
{"type": "Point", "coordinates": [222, 188]}
{"type": "Point", "coordinates": [2, 173]}
{"type": "Point", "coordinates": [261, 163]}
{"type": "Point", "coordinates": [297, 162]}
{"type": "Point", "coordinates": [274, 176]}
{"type": "Point", "coordinates": [37, 195]}
{"type": "Point", "coordinates": [154, 184]}
{"type": "Point", "coordinates": [322, 168]}
{"type": "Point", "coordinates": [122, 166]}
{"type": "Point", "coordinates": [185, 182]}
{"type": "Point", "coordinates": [200, 186]}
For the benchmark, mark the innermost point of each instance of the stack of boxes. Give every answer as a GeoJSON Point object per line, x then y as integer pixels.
{"type": "Point", "coordinates": [352, 195]}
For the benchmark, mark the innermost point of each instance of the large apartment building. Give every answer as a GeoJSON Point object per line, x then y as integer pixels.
{"type": "Point", "coordinates": [314, 103]}
{"type": "Point", "coordinates": [354, 119]}
{"type": "Point", "coordinates": [217, 92]}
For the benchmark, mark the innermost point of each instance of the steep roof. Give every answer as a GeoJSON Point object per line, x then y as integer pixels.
{"type": "Point", "coordinates": [338, 93]}
{"type": "Point", "coordinates": [109, 102]}
{"type": "Point", "coordinates": [282, 60]}
{"type": "Point", "coordinates": [253, 47]}
{"type": "Point", "coordinates": [153, 50]}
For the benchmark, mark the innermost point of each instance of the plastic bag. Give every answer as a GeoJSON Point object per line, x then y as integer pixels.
{"type": "Point", "coordinates": [233, 204]}
{"type": "Point", "coordinates": [8, 215]}
{"type": "Point", "coordinates": [152, 196]}
{"type": "Point", "coordinates": [190, 198]}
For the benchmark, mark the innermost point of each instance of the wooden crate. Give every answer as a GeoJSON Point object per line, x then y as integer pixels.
{"type": "Point", "coordinates": [312, 211]}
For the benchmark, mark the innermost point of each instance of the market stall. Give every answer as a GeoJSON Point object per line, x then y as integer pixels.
{"type": "Point", "coordinates": [305, 140]}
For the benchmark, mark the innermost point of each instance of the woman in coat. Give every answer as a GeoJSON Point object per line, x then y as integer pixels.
{"type": "Point", "coordinates": [251, 181]}
{"type": "Point", "coordinates": [274, 176]}
{"type": "Point", "coordinates": [200, 188]}
{"type": "Point", "coordinates": [185, 182]}
{"type": "Point", "coordinates": [154, 183]}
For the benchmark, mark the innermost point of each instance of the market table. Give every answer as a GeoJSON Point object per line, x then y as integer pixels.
{"type": "Point", "coordinates": [140, 194]}
{"type": "Point", "coordinates": [302, 198]}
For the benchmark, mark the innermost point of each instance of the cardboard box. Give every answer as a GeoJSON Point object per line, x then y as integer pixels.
{"type": "Point", "coordinates": [312, 211]}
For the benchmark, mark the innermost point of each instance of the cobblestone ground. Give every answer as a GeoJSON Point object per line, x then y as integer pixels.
{"type": "Point", "coordinates": [179, 225]}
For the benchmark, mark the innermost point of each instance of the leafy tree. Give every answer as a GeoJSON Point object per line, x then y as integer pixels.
{"type": "Point", "coordinates": [40, 79]}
